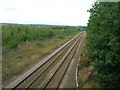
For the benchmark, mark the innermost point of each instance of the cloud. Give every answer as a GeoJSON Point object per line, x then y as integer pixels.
{"type": "Point", "coordinates": [63, 12]}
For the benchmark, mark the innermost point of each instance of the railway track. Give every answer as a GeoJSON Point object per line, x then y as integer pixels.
{"type": "Point", "coordinates": [51, 70]}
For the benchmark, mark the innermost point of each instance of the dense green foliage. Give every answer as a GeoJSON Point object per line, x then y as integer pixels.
{"type": "Point", "coordinates": [13, 35]}
{"type": "Point", "coordinates": [103, 37]}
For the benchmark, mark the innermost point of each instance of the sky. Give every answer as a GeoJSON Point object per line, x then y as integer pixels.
{"type": "Point", "coordinates": [53, 12]}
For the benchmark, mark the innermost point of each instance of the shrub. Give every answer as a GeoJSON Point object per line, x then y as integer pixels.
{"type": "Point", "coordinates": [13, 35]}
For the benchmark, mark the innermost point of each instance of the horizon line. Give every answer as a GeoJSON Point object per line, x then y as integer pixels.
{"type": "Point", "coordinates": [40, 24]}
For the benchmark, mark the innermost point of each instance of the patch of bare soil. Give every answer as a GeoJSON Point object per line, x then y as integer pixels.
{"type": "Point", "coordinates": [86, 75]}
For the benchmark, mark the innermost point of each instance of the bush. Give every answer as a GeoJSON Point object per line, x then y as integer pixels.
{"type": "Point", "coordinates": [13, 35]}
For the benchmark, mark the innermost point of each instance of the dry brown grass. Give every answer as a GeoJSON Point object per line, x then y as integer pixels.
{"type": "Point", "coordinates": [86, 75]}
{"type": "Point", "coordinates": [17, 62]}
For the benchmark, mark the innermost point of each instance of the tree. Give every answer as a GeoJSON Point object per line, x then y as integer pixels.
{"type": "Point", "coordinates": [104, 42]}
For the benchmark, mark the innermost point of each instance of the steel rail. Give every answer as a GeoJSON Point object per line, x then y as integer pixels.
{"type": "Point", "coordinates": [36, 67]}
{"type": "Point", "coordinates": [37, 76]}
{"type": "Point", "coordinates": [68, 64]}
{"type": "Point", "coordinates": [29, 85]}
{"type": "Point", "coordinates": [54, 70]}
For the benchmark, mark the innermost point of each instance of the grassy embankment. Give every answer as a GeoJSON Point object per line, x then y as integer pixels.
{"type": "Point", "coordinates": [24, 46]}
{"type": "Point", "coordinates": [86, 74]}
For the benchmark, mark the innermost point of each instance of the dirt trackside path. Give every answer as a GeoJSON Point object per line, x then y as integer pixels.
{"type": "Point", "coordinates": [86, 75]}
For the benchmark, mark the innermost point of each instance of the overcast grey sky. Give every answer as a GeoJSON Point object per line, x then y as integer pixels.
{"type": "Point", "coordinates": [58, 12]}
